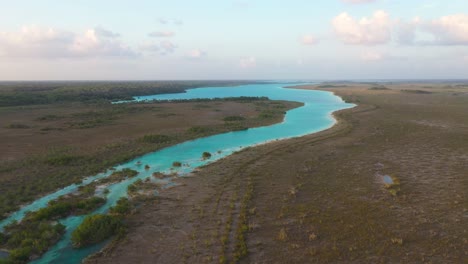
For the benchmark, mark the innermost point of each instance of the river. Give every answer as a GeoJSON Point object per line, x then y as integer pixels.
{"type": "Point", "coordinates": [314, 116]}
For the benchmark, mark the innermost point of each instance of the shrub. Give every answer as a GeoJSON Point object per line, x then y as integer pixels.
{"type": "Point", "coordinates": [158, 175]}
{"type": "Point", "coordinates": [156, 139]}
{"type": "Point", "coordinates": [118, 176]}
{"type": "Point", "coordinates": [206, 155]}
{"type": "Point", "coordinates": [122, 207]}
{"type": "Point", "coordinates": [234, 118]}
{"type": "Point", "coordinates": [198, 130]}
{"type": "Point", "coordinates": [94, 229]}
{"type": "Point", "coordinates": [20, 255]}
{"type": "Point", "coordinates": [379, 88]}
{"type": "Point", "coordinates": [17, 126]}
{"type": "Point", "coordinates": [30, 238]}
{"type": "Point", "coordinates": [63, 208]}
{"type": "Point", "coordinates": [48, 117]}
{"type": "Point", "coordinates": [282, 235]}
{"type": "Point", "coordinates": [132, 188]}
{"type": "Point", "coordinates": [416, 91]}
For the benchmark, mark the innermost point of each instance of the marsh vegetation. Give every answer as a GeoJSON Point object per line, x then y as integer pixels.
{"type": "Point", "coordinates": [63, 142]}
{"type": "Point", "coordinates": [321, 198]}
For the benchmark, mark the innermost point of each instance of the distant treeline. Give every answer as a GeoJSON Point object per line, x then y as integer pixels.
{"type": "Point", "coordinates": [29, 93]}
{"type": "Point", "coordinates": [231, 99]}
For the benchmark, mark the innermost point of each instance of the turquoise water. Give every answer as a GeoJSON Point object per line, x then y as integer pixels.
{"type": "Point", "coordinates": [314, 116]}
{"type": "Point", "coordinates": [387, 179]}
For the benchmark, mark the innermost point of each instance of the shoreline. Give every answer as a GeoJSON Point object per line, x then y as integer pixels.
{"type": "Point", "coordinates": [340, 124]}
{"type": "Point", "coordinates": [334, 121]}
{"type": "Point", "coordinates": [271, 122]}
{"type": "Point", "coordinates": [318, 195]}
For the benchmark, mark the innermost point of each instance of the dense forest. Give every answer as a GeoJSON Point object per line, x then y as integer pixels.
{"type": "Point", "coordinates": [29, 93]}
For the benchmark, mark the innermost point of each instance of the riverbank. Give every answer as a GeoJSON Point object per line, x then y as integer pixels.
{"type": "Point", "coordinates": [318, 198]}
{"type": "Point", "coordinates": [46, 147]}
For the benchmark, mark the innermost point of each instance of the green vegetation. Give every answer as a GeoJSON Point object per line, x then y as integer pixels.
{"type": "Point", "coordinates": [242, 99]}
{"type": "Point", "coordinates": [39, 230]}
{"type": "Point", "coordinates": [62, 166]}
{"type": "Point", "coordinates": [49, 117]}
{"type": "Point", "coordinates": [198, 130]}
{"type": "Point", "coordinates": [236, 126]}
{"type": "Point", "coordinates": [379, 88]}
{"type": "Point", "coordinates": [64, 207]}
{"type": "Point", "coordinates": [267, 114]}
{"type": "Point", "coordinates": [122, 208]}
{"type": "Point", "coordinates": [416, 91]}
{"type": "Point", "coordinates": [132, 188]}
{"type": "Point", "coordinates": [30, 238]}
{"type": "Point", "coordinates": [156, 139]}
{"type": "Point", "coordinates": [95, 229]}
{"type": "Point", "coordinates": [101, 117]}
{"type": "Point", "coordinates": [118, 176]}
{"type": "Point", "coordinates": [234, 118]}
{"type": "Point", "coordinates": [331, 86]}
{"type": "Point", "coordinates": [30, 93]}
{"type": "Point", "coordinates": [158, 175]}
{"type": "Point", "coordinates": [206, 155]}
{"type": "Point", "coordinates": [61, 157]}
{"type": "Point", "coordinates": [17, 126]}
{"type": "Point", "coordinates": [50, 169]}
{"type": "Point", "coordinates": [241, 249]}
{"type": "Point", "coordinates": [394, 187]}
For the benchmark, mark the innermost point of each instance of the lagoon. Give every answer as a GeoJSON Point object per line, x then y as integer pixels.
{"type": "Point", "coordinates": [314, 116]}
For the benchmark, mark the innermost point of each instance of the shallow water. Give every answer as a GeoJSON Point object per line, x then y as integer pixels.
{"type": "Point", "coordinates": [314, 116]}
{"type": "Point", "coordinates": [387, 179]}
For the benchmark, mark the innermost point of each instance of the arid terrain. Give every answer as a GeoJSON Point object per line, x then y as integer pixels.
{"type": "Point", "coordinates": [325, 198]}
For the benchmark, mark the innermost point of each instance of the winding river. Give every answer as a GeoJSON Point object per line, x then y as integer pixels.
{"type": "Point", "coordinates": [314, 116]}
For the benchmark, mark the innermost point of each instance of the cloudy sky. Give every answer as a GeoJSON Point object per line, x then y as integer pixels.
{"type": "Point", "coordinates": [233, 39]}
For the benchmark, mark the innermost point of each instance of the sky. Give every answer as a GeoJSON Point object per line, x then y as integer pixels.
{"type": "Point", "coordinates": [233, 39]}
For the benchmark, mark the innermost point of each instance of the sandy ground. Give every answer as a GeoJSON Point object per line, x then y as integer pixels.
{"type": "Point", "coordinates": [321, 198]}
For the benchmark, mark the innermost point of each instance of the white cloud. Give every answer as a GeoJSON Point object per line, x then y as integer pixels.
{"type": "Point", "coordinates": [150, 47]}
{"type": "Point", "coordinates": [309, 40]}
{"type": "Point", "coordinates": [163, 48]}
{"type": "Point", "coordinates": [248, 62]}
{"type": "Point", "coordinates": [378, 29]}
{"type": "Point", "coordinates": [96, 43]}
{"type": "Point", "coordinates": [33, 41]}
{"type": "Point", "coordinates": [161, 34]}
{"type": "Point", "coordinates": [448, 30]}
{"type": "Point", "coordinates": [365, 31]}
{"type": "Point", "coordinates": [106, 33]}
{"type": "Point", "coordinates": [167, 47]}
{"type": "Point", "coordinates": [196, 54]}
